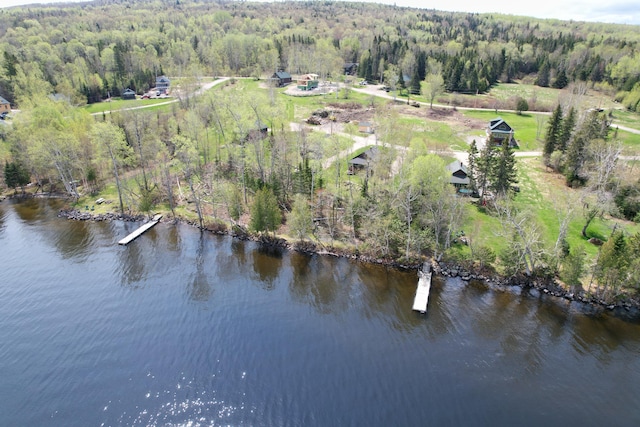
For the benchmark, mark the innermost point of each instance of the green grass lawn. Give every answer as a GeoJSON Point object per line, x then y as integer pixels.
{"type": "Point", "coordinates": [119, 104]}
{"type": "Point", "coordinates": [539, 192]}
{"type": "Point", "coordinates": [526, 126]}
{"type": "Point", "coordinates": [625, 118]}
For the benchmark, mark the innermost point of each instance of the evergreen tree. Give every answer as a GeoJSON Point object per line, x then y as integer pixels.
{"type": "Point", "coordinates": [561, 80]}
{"type": "Point", "coordinates": [15, 175]}
{"type": "Point", "coordinates": [503, 172]}
{"type": "Point", "coordinates": [401, 83]}
{"type": "Point", "coordinates": [543, 75]}
{"type": "Point", "coordinates": [554, 127]}
{"type": "Point", "coordinates": [613, 260]}
{"type": "Point", "coordinates": [483, 169]}
{"type": "Point", "coordinates": [421, 66]}
{"type": "Point", "coordinates": [473, 163]}
{"type": "Point", "coordinates": [566, 130]}
{"type": "Point", "coordinates": [575, 159]}
{"type": "Point", "coordinates": [573, 268]}
{"type": "Point", "coordinates": [265, 213]}
{"type": "Point", "coordinates": [414, 86]}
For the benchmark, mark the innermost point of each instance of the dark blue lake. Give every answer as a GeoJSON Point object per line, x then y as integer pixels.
{"type": "Point", "coordinates": [187, 329]}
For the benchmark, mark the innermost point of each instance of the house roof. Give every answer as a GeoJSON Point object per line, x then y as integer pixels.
{"type": "Point", "coordinates": [4, 101]}
{"type": "Point", "coordinates": [364, 157]}
{"type": "Point", "coordinates": [365, 124]}
{"type": "Point", "coordinates": [128, 91]}
{"type": "Point", "coordinates": [456, 180]}
{"type": "Point", "coordinates": [308, 77]}
{"type": "Point", "coordinates": [163, 79]}
{"type": "Point", "coordinates": [282, 75]}
{"type": "Point", "coordinates": [498, 125]}
{"type": "Point", "coordinates": [458, 166]}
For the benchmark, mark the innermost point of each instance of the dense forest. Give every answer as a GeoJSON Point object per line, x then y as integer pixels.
{"type": "Point", "coordinates": [90, 51]}
{"type": "Point", "coordinates": [240, 158]}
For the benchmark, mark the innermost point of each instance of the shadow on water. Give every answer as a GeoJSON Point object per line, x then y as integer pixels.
{"type": "Point", "coordinates": [391, 292]}
{"type": "Point", "coordinates": [199, 288]}
{"type": "Point", "coordinates": [131, 267]}
{"type": "Point", "coordinates": [3, 214]}
{"type": "Point", "coordinates": [317, 281]}
{"type": "Point", "coordinates": [266, 261]}
{"type": "Point", "coordinates": [36, 210]}
{"type": "Point", "coordinates": [72, 241]}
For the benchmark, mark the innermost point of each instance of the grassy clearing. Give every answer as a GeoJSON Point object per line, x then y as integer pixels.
{"type": "Point", "coordinates": [119, 104]}
{"type": "Point", "coordinates": [503, 96]}
{"type": "Point", "coordinates": [434, 135]}
{"type": "Point", "coordinates": [529, 128]}
{"type": "Point", "coordinates": [544, 195]}
{"type": "Point", "coordinates": [625, 118]}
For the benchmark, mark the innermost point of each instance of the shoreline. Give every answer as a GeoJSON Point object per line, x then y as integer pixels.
{"type": "Point", "coordinates": [626, 308]}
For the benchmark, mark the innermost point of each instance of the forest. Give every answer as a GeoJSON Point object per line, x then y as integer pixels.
{"type": "Point", "coordinates": [241, 158]}
{"type": "Point", "coordinates": [100, 48]}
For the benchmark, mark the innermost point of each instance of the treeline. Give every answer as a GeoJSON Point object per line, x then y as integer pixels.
{"type": "Point", "coordinates": [88, 51]}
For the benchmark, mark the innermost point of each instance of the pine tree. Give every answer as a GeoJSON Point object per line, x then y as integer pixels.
{"type": "Point", "coordinates": [561, 80]}
{"type": "Point", "coordinates": [414, 86]}
{"type": "Point", "coordinates": [483, 169]}
{"type": "Point", "coordinates": [553, 132]}
{"type": "Point", "coordinates": [613, 260]}
{"type": "Point", "coordinates": [265, 213]}
{"type": "Point", "coordinates": [543, 75]}
{"type": "Point", "coordinates": [504, 172]}
{"type": "Point", "coordinates": [473, 163]}
{"type": "Point", "coordinates": [568, 124]}
{"type": "Point", "coordinates": [15, 175]}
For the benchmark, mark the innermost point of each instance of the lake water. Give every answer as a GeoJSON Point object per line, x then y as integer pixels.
{"type": "Point", "coordinates": [188, 329]}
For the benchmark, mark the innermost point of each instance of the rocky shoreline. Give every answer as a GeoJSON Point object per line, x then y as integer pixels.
{"type": "Point", "coordinates": [628, 308]}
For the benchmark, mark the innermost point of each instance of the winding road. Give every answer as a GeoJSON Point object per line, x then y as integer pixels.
{"type": "Point", "coordinates": [203, 88]}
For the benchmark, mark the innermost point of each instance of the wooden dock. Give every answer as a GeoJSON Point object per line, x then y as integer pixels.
{"type": "Point", "coordinates": [422, 292]}
{"type": "Point", "coordinates": [137, 233]}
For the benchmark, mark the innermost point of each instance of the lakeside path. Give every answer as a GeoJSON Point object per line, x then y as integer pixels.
{"type": "Point", "coordinates": [205, 87]}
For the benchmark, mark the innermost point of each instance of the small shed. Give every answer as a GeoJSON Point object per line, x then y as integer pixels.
{"type": "Point", "coordinates": [128, 94]}
{"type": "Point", "coordinates": [163, 84]}
{"type": "Point", "coordinates": [281, 78]}
{"type": "Point", "coordinates": [5, 106]}
{"type": "Point", "coordinates": [308, 82]}
{"type": "Point", "coordinates": [366, 127]}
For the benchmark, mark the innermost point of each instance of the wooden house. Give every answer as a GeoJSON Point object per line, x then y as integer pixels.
{"type": "Point", "coordinates": [498, 131]}
{"type": "Point", "coordinates": [365, 127]}
{"type": "Point", "coordinates": [363, 160]}
{"type": "Point", "coordinates": [162, 85]}
{"type": "Point", "coordinates": [5, 106]}
{"type": "Point", "coordinates": [459, 175]}
{"type": "Point", "coordinates": [281, 78]}
{"type": "Point", "coordinates": [308, 82]}
{"type": "Point", "coordinates": [128, 94]}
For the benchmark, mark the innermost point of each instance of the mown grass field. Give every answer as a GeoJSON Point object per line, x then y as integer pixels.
{"type": "Point", "coordinates": [529, 128]}
{"type": "Point", "coordinates": [625, 118]}
{"type": "Point", "coordinates": [121, 104]}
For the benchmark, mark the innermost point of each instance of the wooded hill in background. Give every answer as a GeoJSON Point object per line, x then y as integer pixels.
{"type": "Point", "coordinates": [89, 51]}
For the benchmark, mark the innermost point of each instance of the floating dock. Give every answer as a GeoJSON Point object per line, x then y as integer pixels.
{"type": "Point", "coordinates": [131, 237]}
{"type": "Point", "coordinates": [424, 286]}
